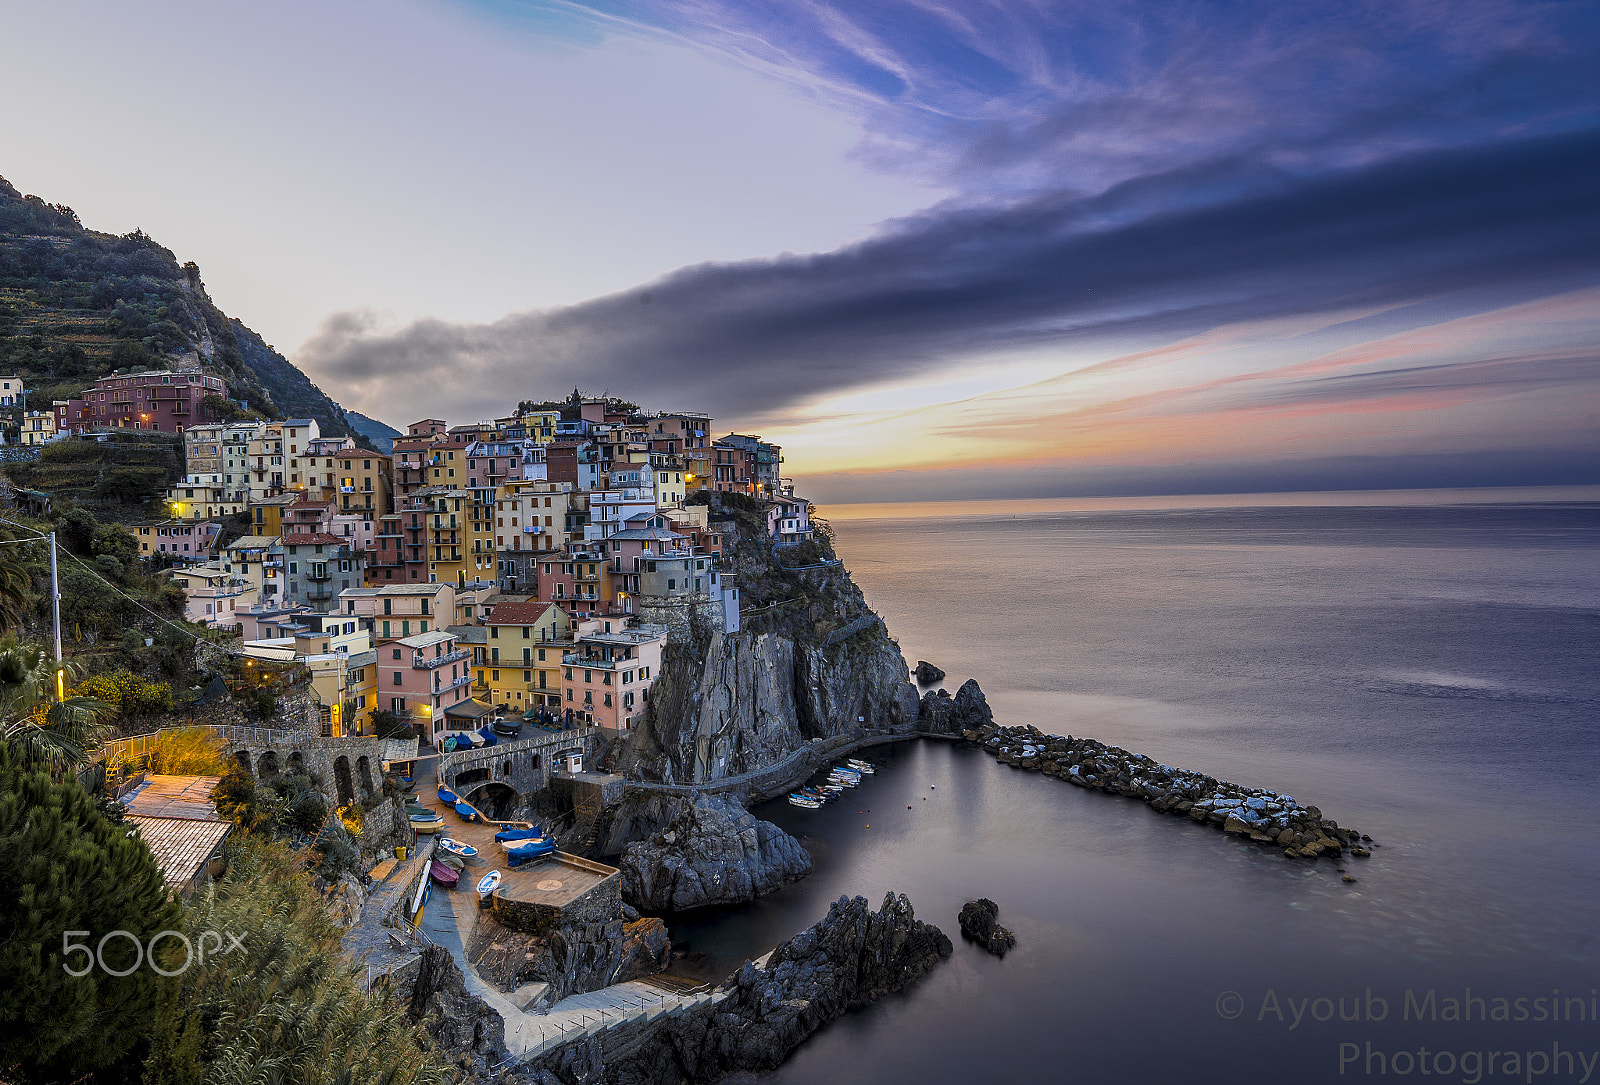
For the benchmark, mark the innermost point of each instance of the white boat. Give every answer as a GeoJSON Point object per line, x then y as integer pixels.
{"type": "Point", "coordinates": [804, 802]}
{"type": "Point", "coordinates": [455, 847]}
{"type": "Point", "coordinates": [866, 768]}
{"type": "Point", "coordinates": [489, 883]}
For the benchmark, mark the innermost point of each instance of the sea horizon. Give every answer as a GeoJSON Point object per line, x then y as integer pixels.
{"type": "Point", "coordinates": [1002, 506]}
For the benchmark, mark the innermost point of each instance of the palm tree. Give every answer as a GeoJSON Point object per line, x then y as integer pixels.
{"type": "Point", "coordinates": [39, 727]}
{"type": "Point", "coordinates": [16, 595]}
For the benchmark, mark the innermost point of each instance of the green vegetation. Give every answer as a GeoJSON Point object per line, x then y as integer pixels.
{"type": "Point", "coordinates": [286, 1008]}
{"type": "Point", "coordinates": [72, 869]}
{"type": "Point", "coordinates": [76, 304]}
{"type": "Point", "coordinates": [122, 476]}
{"type": "Point", "coordinates": [38, 728]}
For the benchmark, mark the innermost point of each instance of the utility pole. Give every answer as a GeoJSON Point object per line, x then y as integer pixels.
{"type": "Point", "coordinates": [55, 620]}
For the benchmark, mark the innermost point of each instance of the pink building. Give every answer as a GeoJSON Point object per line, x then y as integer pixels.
{"type": "Point", "coordinates": [606, 678]}
{"type": "Point", "coordinates": [421, 676]}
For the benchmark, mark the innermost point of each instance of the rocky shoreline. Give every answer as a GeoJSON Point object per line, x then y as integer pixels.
{"type": "Point", "coordinates": [850, 959]}
{"type": "Point", "coordinates": [1263, 816]}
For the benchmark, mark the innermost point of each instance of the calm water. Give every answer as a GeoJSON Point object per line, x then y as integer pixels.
{"type": "Point", "coordinates": [1427, 674]}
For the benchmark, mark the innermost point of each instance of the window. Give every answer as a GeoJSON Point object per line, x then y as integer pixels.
{"type": "Point", "coordinates": [608, 700]}
{"type": "Point", "coordinates": [396, 652]}
{"type": "Point", "coordinates": [494, 676]}
{"type": "Point", "coordinates": [527, 676]}
{"type": "Point", "coordinates": [569, 694]}
{"type": "Point", "coordinates": [397, 678]}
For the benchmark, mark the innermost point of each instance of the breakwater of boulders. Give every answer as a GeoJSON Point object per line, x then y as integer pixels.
{"type": "Point", "coordinates": [1265, 817]}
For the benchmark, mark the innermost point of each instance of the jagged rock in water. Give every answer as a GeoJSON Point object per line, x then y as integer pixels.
{"type": "Point", "coordinates": [462, 1023]}
{"type": "Point", "coordinates": [926, 673]}
{"type": "Point", "coordinates": [940, 714]}
{"type": "Point", "coordinates": [980, 921]}
{"type": "Point", "coordinates": [850, 959]}
{"type": "Point", "coordinates": [713, 851]}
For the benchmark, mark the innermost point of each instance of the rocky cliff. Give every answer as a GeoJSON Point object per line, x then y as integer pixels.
{"type": "Point", "coordinates": [712, 851]}
{"type": "Point", "coordinates": [573, 958]}
{"type": "Point", "coordinates": [811, 662]}
{"type": "Point", "coordinates": [850, 959]}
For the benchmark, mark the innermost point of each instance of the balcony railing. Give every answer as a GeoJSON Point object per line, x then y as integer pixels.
{"type": "Point", "coordinates": [442, 687]}
{"type": "Point", "coordinates": [428, 663]}
{"type": "Point", "coordinates": [600, 663]}
{"type": "Point", "coordinates": [320, 594]}
{"type": "Point", "coordinates": [313, 574]}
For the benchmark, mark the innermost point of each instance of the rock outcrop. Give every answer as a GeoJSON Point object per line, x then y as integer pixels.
{"type": "Point", "coordinates": [811, 661]}
{"type": "Point", "coordinates": [1263, 816]}
{"type": "Point", "coordinates": [573, 958]}
{"type": "Point", "coordinates": [940, 714]}
{"type": "Point", "coordinates": [464, 1025]}
{"type": "Point", "coordinates": [847, 961]}
{"type": "Point", "coordinates": [926, 673]}
{"type": "Point", "coordinates": [980, 922]}
{"type": "Point", "coordinates": [713, 851]}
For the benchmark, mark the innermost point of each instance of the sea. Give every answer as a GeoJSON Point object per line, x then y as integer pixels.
{"type": "Point", "coordinates": [1425, 667]}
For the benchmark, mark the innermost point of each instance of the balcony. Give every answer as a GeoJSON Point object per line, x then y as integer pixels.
{"type": "Point", "coordinates": [445, 687]}
{"type": "Point", "coordinates": [320, 595]}
{"type": "Point", "coordinates": [315, 574]}
{"type": "Point", "coordinates": [428, 663]}
{"type": "Point", "coordinates": [598, 663]}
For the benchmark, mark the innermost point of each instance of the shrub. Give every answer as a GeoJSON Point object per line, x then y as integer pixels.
{"type": "Point", "coordinates": [189, 751]}
{"type": "Point", "coordinates": [130, 694]}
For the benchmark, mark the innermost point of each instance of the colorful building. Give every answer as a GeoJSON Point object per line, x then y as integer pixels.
{"type": "Point", "coordinates": [160, 400]}
{"type": "Point", "coordinates": [606, 678]}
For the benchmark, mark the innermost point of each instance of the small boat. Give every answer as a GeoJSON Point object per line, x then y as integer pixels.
{"type": "Point", "coordinates": [467, 813]}
{"type": "Point", "coordinates": [866, 768]}
{"type": "Point", "coordinates": [455, 864]}
{"type": "Point", "coordinates": [796, 799]}
{"type": "Point", "coordinates": [529, 850]}
{"type": "Point", "coordinates": [448, 796]}
{"type": "Point", "coordinates": [443, 874]}
{"type": "Point", "coordinates": [455, 847]}
{"type": "Point", "coordinates": [489, 883]}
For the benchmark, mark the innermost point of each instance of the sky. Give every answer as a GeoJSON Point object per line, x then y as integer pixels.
{"type": "Point", "coordinates": [1004, 248]}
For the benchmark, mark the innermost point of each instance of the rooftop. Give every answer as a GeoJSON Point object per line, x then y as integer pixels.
{"type": "Point", "coordinates": [427, 640]}
{"type": "Point", "coordinates": [514, 613]}
{"type": "Point", "coordinates": [174, 797]}
{"type": "Point", "coordinates": [181, 846]}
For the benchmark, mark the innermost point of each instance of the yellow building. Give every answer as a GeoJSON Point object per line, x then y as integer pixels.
{"type": "Point", "coordinates": [541, 425]}
{"type": "Point", "coordinates": [266, 515]}
{"type": "Point", "coordinates": [458, 534]}
{"type": "Point", "coordinates": [523, 646]}
{"type": "Point", "coordinates": [344, 673]}
{"type": "Point", "coordinates": [38, 427]}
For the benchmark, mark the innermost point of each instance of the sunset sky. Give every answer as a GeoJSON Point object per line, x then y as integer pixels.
{"type": "Point", "coordinates": [934, 249]}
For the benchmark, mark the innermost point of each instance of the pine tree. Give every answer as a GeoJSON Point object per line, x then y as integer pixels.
{"type": "Point", "coordinates": [71, 870]}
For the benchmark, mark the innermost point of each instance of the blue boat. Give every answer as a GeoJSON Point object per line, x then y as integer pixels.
{"type": "Point", "coordinates": [518, 834]}
{"type": "Point", "coordinates": [446, 795]}
{"type": "Point", "coordinates": [467, 813]}
{"type": "Point", "coordinates": [528, 852]}
{"type": "Point", "coordinates": [488, 737]}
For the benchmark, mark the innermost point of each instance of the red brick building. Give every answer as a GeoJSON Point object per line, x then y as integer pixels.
{"type": "Point", "coordinates": [165, 401]}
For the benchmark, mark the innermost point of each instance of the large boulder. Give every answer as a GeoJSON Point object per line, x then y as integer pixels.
{"type": "Point", "coordinates": [980, 922]}
{"type": "Point", "coordinates": [463, 1024]}
{"type": "Point", "coordinates": [968, 710]}
{"type": "Point", "coordinates": [713, 852]}
{"type": "Point", "coordinates": [926, 673]}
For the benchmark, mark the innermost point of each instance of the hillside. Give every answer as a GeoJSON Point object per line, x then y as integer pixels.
{"type": "Point", "coordinates": [382, 435]}
{"type": "Point", "coordinates": [77, 303]}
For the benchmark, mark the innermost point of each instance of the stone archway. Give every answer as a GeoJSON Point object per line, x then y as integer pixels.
{"type": "Point", "coordinates": [297, 762]}
{"type": "Point", "coordinates": [364, 775]}
{"type": "Point", "coordinates": [243, 758]}
{"type": "Point", "coordinates": [495, 799]}
{"type": "Point", "coordinates": [267, 765]}
{"type": "Point", "coordinates": [341, 779]}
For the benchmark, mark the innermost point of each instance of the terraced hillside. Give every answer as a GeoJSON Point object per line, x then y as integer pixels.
{"type": "Point", "coordinates": [76, 304]}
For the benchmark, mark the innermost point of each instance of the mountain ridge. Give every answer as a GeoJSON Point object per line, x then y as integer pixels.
{"type": "Point", "coordinates": [76, 304]}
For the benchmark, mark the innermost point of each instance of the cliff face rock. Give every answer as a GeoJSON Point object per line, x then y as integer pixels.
{"type": "Point", "coordinates": [572, 959]}
{"type": "Point", "coordinates": [750, 699]}
{"type": "Point", "coordinates": [969, 710]}
{"type": "Point", "coordinates": [713, 851]}
{"type": "Point", "coordinates": [463, 1024]}
{"type": "Point", "coordinates": [850, 959]}
{"type": "Point", "coordinates": [811, 661]}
